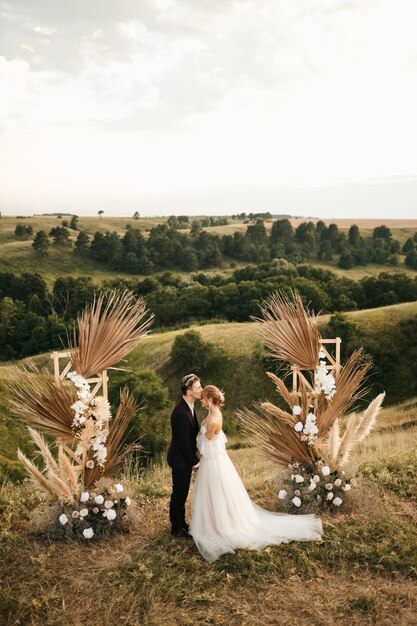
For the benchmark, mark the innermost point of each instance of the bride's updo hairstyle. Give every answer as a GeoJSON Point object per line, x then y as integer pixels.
{"type": "Point", "coordinates": [213, 393]}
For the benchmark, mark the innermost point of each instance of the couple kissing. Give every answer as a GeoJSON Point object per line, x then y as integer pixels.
{"type": "Point", "coordinates": [223, 517]}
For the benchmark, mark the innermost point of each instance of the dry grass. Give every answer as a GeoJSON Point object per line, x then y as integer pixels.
{"type": "Point", "coordinates": [364, 571]}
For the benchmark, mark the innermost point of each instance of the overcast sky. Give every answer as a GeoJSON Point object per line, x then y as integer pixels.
{"type": "Point", "coordinates": [305, 107]}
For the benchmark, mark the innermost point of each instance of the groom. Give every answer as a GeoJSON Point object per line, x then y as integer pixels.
{"type": "Point", "coordinates": [182, 453]}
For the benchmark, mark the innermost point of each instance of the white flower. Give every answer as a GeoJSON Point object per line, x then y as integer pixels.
{"type": "Point", "coordinates": [99, 499]}
{"type": "Point", "coordinates": [311, 417]}
{"type": "Point", "coordinates": [78, 406]}
{"type": "Point", "coordinates": [101, 453]}
{"type": "Point", "coordinates": [314, 429]}
{"type": "Point", "coordinates": [296, 410]}
{"type": "Point", "coordinates": [316, 478]}
{"type": "Point", "coordinates": [128, 501]}
{"type": "Point", "coordinates": [346, 487]}
{"type": "Point", "coordinates": [108, 504]}
{"type": "Point", "coordinates": [298, 427]}
{"type": "Point", "coordinates": [84, 496]}
{"type": "Point", "coordinates": [296, 501]}
{"type": "Point", "coordinates": [312, 485]}
{"type": "Point", "coordinates": [322, 355]}
{"type": "Point", "coordinates": [337, 501]}
{"type": "Point", "coordinates": [337, 482]}
{"type": "Point", "coordinates": [330, 495]}
{"type": "Point", "coordinates": [298, 478]}
{"type": "Point", "coordinates": [90, 464]}
{"type": "Point", "coordinates": [325, 470]}
{"type": "Point", "coordinates": [88, 533]}
{"type": "Point", "coordinates": [63, 519]}
{"type": "Point", "coordinates": [119, 488]}
{"type": "Point", "coordinates": [329, 486]}
{"type": "Point", "coordinates": [325, 382]}
{"type": "Point", "coordinates": [111, 514]}
{"type": "Point", "coordinates": [83, 512]}
{"type": "Point", "coordinates": [281, 495]}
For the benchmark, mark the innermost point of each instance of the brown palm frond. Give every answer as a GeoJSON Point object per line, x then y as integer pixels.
{"type": "Point", "coordinates": [117, 428]}
{"type": "Point", "coordinates": [290, 398]}
{"type": "Point", "coordinates": [349, 388]}
{"type": "Point", "coordinates": [347, 441]}
{"type": "Point", "coordinates": [334, 440]}
{"type": "Point", "coordinates": [108, 330]}
{"type": "Point", "coordinates": [41, 402]}
{"type": "Point", "coordinates": [44, 449]}
{"type": "Point", "coordinates": [37, 478]}
{"type": "Point", "coordinates": [277, 440]}
{"type": "Point", "coordinates": [287, 418]}
{"type": "Point", "coordinates": [289, 330]}
{"type": "Point", "coordinates": [368, 419]}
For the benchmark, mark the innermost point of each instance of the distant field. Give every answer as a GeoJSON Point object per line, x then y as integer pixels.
{"type": "Point", "coordinates": [18, 256]}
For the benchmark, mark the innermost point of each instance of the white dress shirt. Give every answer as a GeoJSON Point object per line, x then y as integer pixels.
{"type": "Point", "coordinates": [192, 413]}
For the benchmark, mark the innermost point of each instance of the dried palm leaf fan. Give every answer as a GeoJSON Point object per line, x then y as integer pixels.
{"type": "Point", "coordinates": [42, 402]}
{"type": "Point", "coordinates": [274, 437]}
{"type": "Point", "coordinates": [290, 330]}
{"type": "Point", "coordinates": [108, 330]}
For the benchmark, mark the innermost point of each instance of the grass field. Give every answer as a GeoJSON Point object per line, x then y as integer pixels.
{"type": "Point", "coordinates": [363, 572]}
{"type": "Point", "coordinates": [242, 338]}
{"type": "Point", "coordinates": [18, 256]}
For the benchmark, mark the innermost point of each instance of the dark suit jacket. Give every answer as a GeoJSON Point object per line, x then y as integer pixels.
{"type": "Point", "coordinates": [182, 451]}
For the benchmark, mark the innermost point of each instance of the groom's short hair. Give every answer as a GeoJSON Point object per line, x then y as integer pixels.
{"type": "Point", "coordinates": [187, 382]}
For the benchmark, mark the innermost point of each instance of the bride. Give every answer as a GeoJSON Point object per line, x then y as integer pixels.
{"type": "Point", "coordinates": [223, 517]}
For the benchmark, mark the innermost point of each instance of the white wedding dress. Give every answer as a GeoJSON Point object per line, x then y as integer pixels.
{"type": "Point", "coordinates": [224, 518]}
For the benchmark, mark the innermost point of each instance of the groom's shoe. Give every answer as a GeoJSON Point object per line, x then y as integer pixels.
{"type": "Point", "coordinates": [181, 534]}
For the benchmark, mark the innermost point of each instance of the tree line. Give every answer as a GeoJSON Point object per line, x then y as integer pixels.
{"type": "Point", "coordinates": [35, 318]}
{"type": "Point", "coordinates": [167, 246]}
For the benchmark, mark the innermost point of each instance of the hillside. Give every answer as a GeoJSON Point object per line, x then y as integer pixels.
{"type": "Point", "coordinates": [18, 256]}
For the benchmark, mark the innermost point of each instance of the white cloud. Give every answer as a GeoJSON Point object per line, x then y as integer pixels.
{"type": "Point", "coordinates": [125, 98]}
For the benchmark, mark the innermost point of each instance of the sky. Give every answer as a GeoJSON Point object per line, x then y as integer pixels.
{"type": "Point", "coordinates": [301, 107]}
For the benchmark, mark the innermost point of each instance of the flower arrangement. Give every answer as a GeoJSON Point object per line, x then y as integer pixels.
{"type": "Point", "coordinates": [102, 511]}
{"type": "Point", "coordinates": [314, 486]}
{"type": "Point", "coordinates": [307, 436]}
{"type": "Point", "coordinates": [88, 439]}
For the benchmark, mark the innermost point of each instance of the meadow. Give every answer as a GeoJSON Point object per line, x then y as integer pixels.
{"type": "Point", "coordinates": [364, 570]}
{"type": "Point", "coordinates": [18, 255]}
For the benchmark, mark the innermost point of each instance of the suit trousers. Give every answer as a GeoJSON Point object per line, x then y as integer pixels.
{"type": "Point", "coordinates": [180, 487]}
